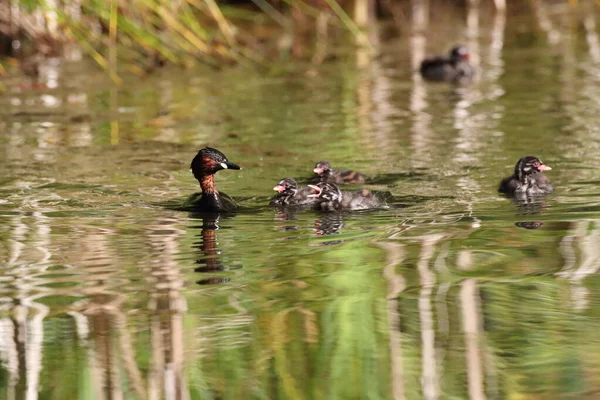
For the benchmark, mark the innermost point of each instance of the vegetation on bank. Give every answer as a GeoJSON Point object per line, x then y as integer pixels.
{"type": "Point", "coordinates": [145, 34]}
{"type": "Point", "coordinates": [151, 33]}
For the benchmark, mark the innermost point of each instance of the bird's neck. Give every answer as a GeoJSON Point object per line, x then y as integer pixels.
{"type": "Point", "coordinates": [530, 179]}
{"type": "Point", "coordinates": [207, 184]}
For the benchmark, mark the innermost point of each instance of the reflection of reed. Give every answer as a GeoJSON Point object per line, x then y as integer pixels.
{"type": "Point", "coordinates": [569, 67]}
{"type": "Point", "coordinates": [166, 132]}
{"type": "Point", "coordinates": [472, 328]}
{"type": "Point", "coordinates": [9, 354]}
{"type": "Point", "coordinates": [99, 310]}
{"type": "Point", "coordinates": [167, 305]}
{"type": "Point", "coordinates": [586, 241]}
{"type": "Point", "coordinates": [500, 6]}
{"type": "Point", "coordinates": [322, 29]}
{"type": "Point", "coordinates": [34, 332]}
{"type": "Point", "coordinates": [126, 347]}
{"type": "Point", "coordinates": [495, 65]}
{"type": "Point", "coordinates": [373, 91]}
{"type": "Point", "coordinates": [541, 12]}
{"type": "Point", "coordinates": [220, 331]}
{"type": "Point", "coordinates": [22, 334]}
{"type": "Point", "coordinates": [429, 373]}
{"type": "Point", "coordinates": [103, 356]}
{"type": "Point", "coordinates": [418, 98]}
{"type": "Point", "coordinates": [591, 35]}
{"type": "Point", "coordinates": [21, 346]}
{"type": "Point", "coordinates": [420, 20]}
{"type": "Point", "coordinates": [364, 12]}
{"type": "Point", "coordinates": [471, 138]}
{"type": "Point", "coordinates": [396, 284]}
{"type": "Point", "coordinates": [474, 130]}
{"type": "Point", "coordinates": [441, 301]}
{"type": "Point", "coordinates": [473, 32]}
{"type": "Point", "coordinates": [468, 139]}
{"type": "Point", "coordinates": [101, 325]}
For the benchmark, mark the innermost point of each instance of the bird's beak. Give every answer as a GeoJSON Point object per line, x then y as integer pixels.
{"type": "Point", "coordinates": [316, 189]}
{"type": "Point", "coordinates": [279, 188]}
{"type": "Point", "coordinates": [230, 165]}
{"type": "Point", "coordinates": [318, 170]}
{"type": "Point", "coordinates": [543, 167]}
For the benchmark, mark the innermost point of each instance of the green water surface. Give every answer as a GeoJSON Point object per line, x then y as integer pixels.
{"type": "Point", "coordinates": [107, 293]}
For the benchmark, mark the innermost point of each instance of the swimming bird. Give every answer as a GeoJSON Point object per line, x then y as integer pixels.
{"type": "Point", "coordinates": [455, 68]}
{"type": "Point", "coordinates": [204, 166]}
{"type": "Point", "coordinates": [330, 198]}
{"type": "Point", "coordinates": [290, 194]}
{"type": "Point", "coordinates": [324, 173]}
{"type": "Point", "coordinates": [528, 179]}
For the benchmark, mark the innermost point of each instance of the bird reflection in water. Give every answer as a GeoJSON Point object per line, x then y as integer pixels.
{"type": "Point", "coordinates": [210, 260]}
{"type": "Point", "coordinates": [286, 215]}
{"type": "Point", "coordinates": [327, 224]}
{"type": "Point", "coordinates": [530, 206]}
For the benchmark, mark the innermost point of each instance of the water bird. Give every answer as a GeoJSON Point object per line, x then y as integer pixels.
{"type": "Point", "coordinates": [329, 197]}
{"type": "Point", "coordinates": [455, 68]}
{"type": "Point", "coordinates": [204, 166]}
{"type": "Point", "coordinates": [528, 179]}
{"type": "Point", "coordinates": [324, 173]}
{"type": "Point", "coordinates": [290, 194]}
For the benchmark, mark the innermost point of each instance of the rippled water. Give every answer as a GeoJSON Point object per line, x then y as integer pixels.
{"type": "Point", "coordinates": [455, 292]}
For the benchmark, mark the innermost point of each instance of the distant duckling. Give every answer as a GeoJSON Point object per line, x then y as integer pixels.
{"type": "Point", "coordinates": [455, 68]}
{"type": "Point", "coordinates": [324, 173]}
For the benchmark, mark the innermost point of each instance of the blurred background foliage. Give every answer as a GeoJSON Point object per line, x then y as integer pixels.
{"type": "Point", "coordinates": [150, 33]}
{"type": "Point", "coordinates": [146, 34]}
